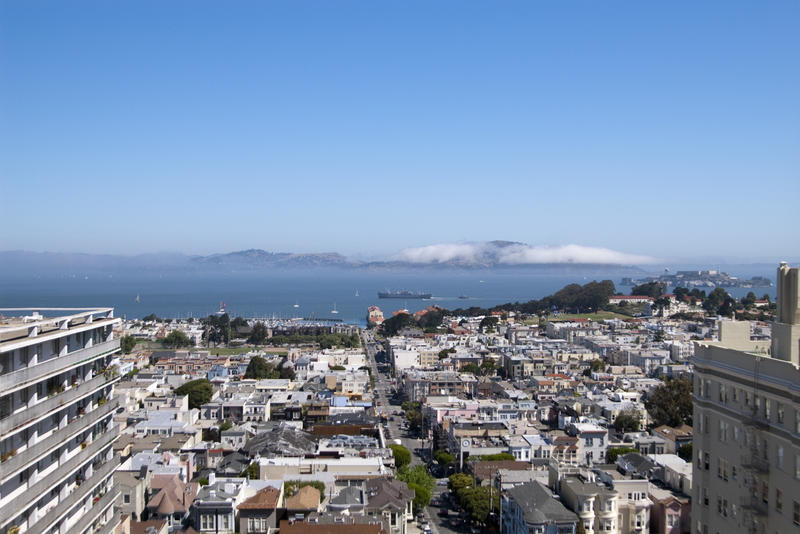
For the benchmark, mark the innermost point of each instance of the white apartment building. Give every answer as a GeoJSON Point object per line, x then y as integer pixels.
{"type": "Point", "coordinates": [746, 474]}
{"type": "Point", "coordinates": [56, 421]}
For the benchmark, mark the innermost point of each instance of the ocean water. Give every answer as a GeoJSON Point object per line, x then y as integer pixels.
{"type": "Point", "coordinates": [275, 294]}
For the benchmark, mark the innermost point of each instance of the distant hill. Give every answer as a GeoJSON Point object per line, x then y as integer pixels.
{"type": "Point", "coordinates": [505, 255]}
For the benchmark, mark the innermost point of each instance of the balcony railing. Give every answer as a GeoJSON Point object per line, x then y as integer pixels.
{"type": "Point", "coordinates": [23, 459]}
{"type": "Point", "coordinates": [80, 493]}
{"type": "Point", "coordinates": [755, 505]}
{"type": "Point", "coordinates": [51, 480]}
{"type": "Point", "coordinates": [53, 366]}
{"type": "Point", "coordinates": [53, 403]}
{"type": "Point", "coordinates": [95, 511]}
{"type": "Point", "coordinates": [756, 461]}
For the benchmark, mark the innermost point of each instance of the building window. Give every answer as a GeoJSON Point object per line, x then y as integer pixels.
{"type": "Point", "coordinates": [206, 522]}
{"type": "Point", "coordinates": [796, 512]}
{"type": "Point", "coordinates": [778, 500]}
{"type": "Point", "coordinates": [126, 498]}
{"type": "Point", "coordinates": [780, 457]}
{"type": "Point", "coordinates": [779, 407]}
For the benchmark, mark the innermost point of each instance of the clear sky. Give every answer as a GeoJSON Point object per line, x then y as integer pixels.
{"type": "Point", "coordinates": [668, 129]}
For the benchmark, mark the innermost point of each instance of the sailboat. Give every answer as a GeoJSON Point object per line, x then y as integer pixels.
{"type": "Point", "coordinates": [137, 299]}
{"type": "Point", "coordinates": [357, 293]}
{"type": "Point", "coordinates": [296, 304]}
{"type": "Point", "coordinates": [334, 310]}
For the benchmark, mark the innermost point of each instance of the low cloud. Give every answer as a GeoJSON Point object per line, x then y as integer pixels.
{"type": "Point", "coordinates": [504, 253]}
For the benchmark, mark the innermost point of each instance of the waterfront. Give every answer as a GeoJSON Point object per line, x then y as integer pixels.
{"type": "Point", "coordinates": [275, 294]}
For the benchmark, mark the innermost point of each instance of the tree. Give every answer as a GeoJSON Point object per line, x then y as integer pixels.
{"type": "Point", "coordinates": [393, 325]}
{"type": "Point", "coordinates": [658, 337]}
{"type": "Point", "coordinates": [671, 403]}
{"type": "Point", "coordinates": [627, 422]}
{"type": "Point", "coordinates": [422, 495]}
{"type": "Point", "coordinates": [152, 318]}
{"type": "Point", "coordinates": [615, 452]}
{"type": "Point", "coordinates": [338, 368]}
{"type": "Point", "coordinates": [402, 457]}
{"type": "Point", "coordinates": [443, 457]}
{"type": "Point", "coordinates": [259, 368]}
{"type": "Point", "coordinates": [418, 478]}
{"type": "Point", "coordinates": [499, 457]}
{"type": "Point", "coordinates": [719, 302]}
{"type": "Point", "coordinates": [251, 471]}
{"type": "Point", "coordinates": [286, 372]}
{"type": "Point", "coordinates": [649, 289]}
{"type": "Point", "coordinates": [471, 368]}
{"type": "Point", "coordinates": [685, 452]}
{"type": "Point", "coordinates": [458, 482]}
{"type": "Point", "coordinates": [445, 353]}
{"type": "Point", "coordinates": [749, 300]}
{"type": "Point", "coordinates": [489, 323]}
{"type": "Point", "coordinates": [199, 392]}
{"type": "Point", "coordinates": [176, 339]}
{"type": "Point", "coordinates": [488, 367]}
{"type": "Point", "coordinates": [475, 501]}
{"type": "Point", "coordinates": [225, 425]}
{"type": "Point", "coordinates": [259, 334]}
{"type": "Point", "coordinates": [127, 343]}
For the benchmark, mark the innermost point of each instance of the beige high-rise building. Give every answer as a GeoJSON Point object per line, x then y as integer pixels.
{"type": "Point", "coordinates": [746, 475]}
{"type": "Point", "coordinates": [56, 421]}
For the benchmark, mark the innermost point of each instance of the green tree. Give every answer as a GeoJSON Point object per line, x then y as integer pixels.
{"type": "Point", "coordinates": [649, 289]}
{"type": "Point", "coordinates": [489, 323]}
{"type": "Point", "coordinates": [658, 337]}
{"type": "Point", "coordinates": [402, 457]}
{"type": "Point", "coordinates": [475, 501]}
{"type": "Point", "coordinates": [422, 495]}
{"type": "Point", "coordinates": [176, 339]}
{"type": "Point", "coordinates": [671, 403]}
{"type": "Point", "coordinates": [127, 343]}
{"type": "Point", "coordinates": [685, 452]}
{"type": "Point", "coordinates": [225, 425]}
{"type": "Point", "coordinates": [393, 325]}
{"type": "Point", "coordinates": [445, 353]}
{"type": "Point", "coordinates": [259, 334]}
{"type": "Point", "coordinates": [151, 318]}
{"type": "Point", "coordinates": [443, 457]}
{"type": "Point", "coordinates": [459, 482]}
{"type": "Point", "coordinates": [251, 471]}
{"type": "Point", "coordinates": [615, 452]}
{"type": "Point", "coordinates": [488, 367]}
{"type": "Point", "coordinates": [627, 422]}
{"type": "Point", "coordinates": [259, 368]}
{"type": "Point", "coordinates": [498, 457]}
{"type": "Point", "coordinates": [286, 372]}
{"type": "Point", "coordinates": [338, 368]}
{"type": "Point", "coordinates": [199, 392]}
{"type": "Point", "coordinates": [471, 368]}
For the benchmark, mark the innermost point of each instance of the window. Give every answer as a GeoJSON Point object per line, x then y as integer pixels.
{"type": "Point", "coordinates": [707, 461]}
{"type": "Point", "coordinates": [126, 498]}
{"type": "Point", "coordinates": [705, 496]}
{"type": "Point", "coordinates": [796, 512]}
{"type": "Point", "coordinates": [767, 404]}
{"type": "Point", "coordinates": [780, 457]}
{"type": "Point", "coordinates": [779, 407]}
{"type": "Point", "coordinates": [735, 394]}
{"type": "Point", "coordinates": [797, 466]}
{"type": "Point", "coordinates": [778, 500]}
{"type": "Point", "coordinates": [206, 522]}
{"type": "Point", "coordinates": [671, 520]}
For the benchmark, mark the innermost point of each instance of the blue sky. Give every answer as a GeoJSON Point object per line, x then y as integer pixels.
{"type": "Point", "coordinates": [667, 129]}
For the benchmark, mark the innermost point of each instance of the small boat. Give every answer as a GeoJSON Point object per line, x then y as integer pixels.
{"type": "Point", "coordinates": [334, 310]}
{"type": "Point", "coordinates": [463, 297]}
{"type": "Point", "coordinates": [296, 304]}
{"type": "Point", "coordinates": [357, 293]}
{"type": "Point", "coordinates": [137, 299]}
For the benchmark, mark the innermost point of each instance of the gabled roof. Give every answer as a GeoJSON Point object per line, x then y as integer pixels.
{"type": "Point", "coordinates": [539, 506]}
{"type": "Point", "coordinates": [306, 498]}
{"type": "Point", "coordinates": [266, 499]}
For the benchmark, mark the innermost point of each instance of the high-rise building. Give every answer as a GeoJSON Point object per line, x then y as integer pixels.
{"type": "Point", "coordinates": [746, 474]}
{"type": "Point", "coordinates": [57, 374]}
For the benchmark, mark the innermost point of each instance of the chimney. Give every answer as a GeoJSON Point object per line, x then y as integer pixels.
{"type": "Point", "coordinates": [212, 479]}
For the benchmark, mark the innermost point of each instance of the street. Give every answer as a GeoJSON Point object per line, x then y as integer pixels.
{"type": "Point", "coordinates": [394, 428]}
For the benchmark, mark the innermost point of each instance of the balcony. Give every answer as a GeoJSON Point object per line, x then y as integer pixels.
{"type": "Point", "coordinates": [94, 512]}
{"type": "Point", "coordinates": [40, 371]}
{"type": "Point", "coordinates": [80, 493]}
{"type": "Point", "coordinates": [23, 459]}
{"type": "Point", "coordinates": [50, 481]}
{"type": "Point", "coordinates": [55, 402]}
{"type": "Point", "coordinates": [755, 505]}
{"type": "Point", "coordinates": [756, 461]}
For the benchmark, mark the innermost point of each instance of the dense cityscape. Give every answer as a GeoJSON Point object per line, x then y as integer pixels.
{"type": "Point", "coordinates": [585, 411]}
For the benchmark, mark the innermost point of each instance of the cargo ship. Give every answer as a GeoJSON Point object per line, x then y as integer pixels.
{"type": "Point", "coordinates": [402, 294]}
